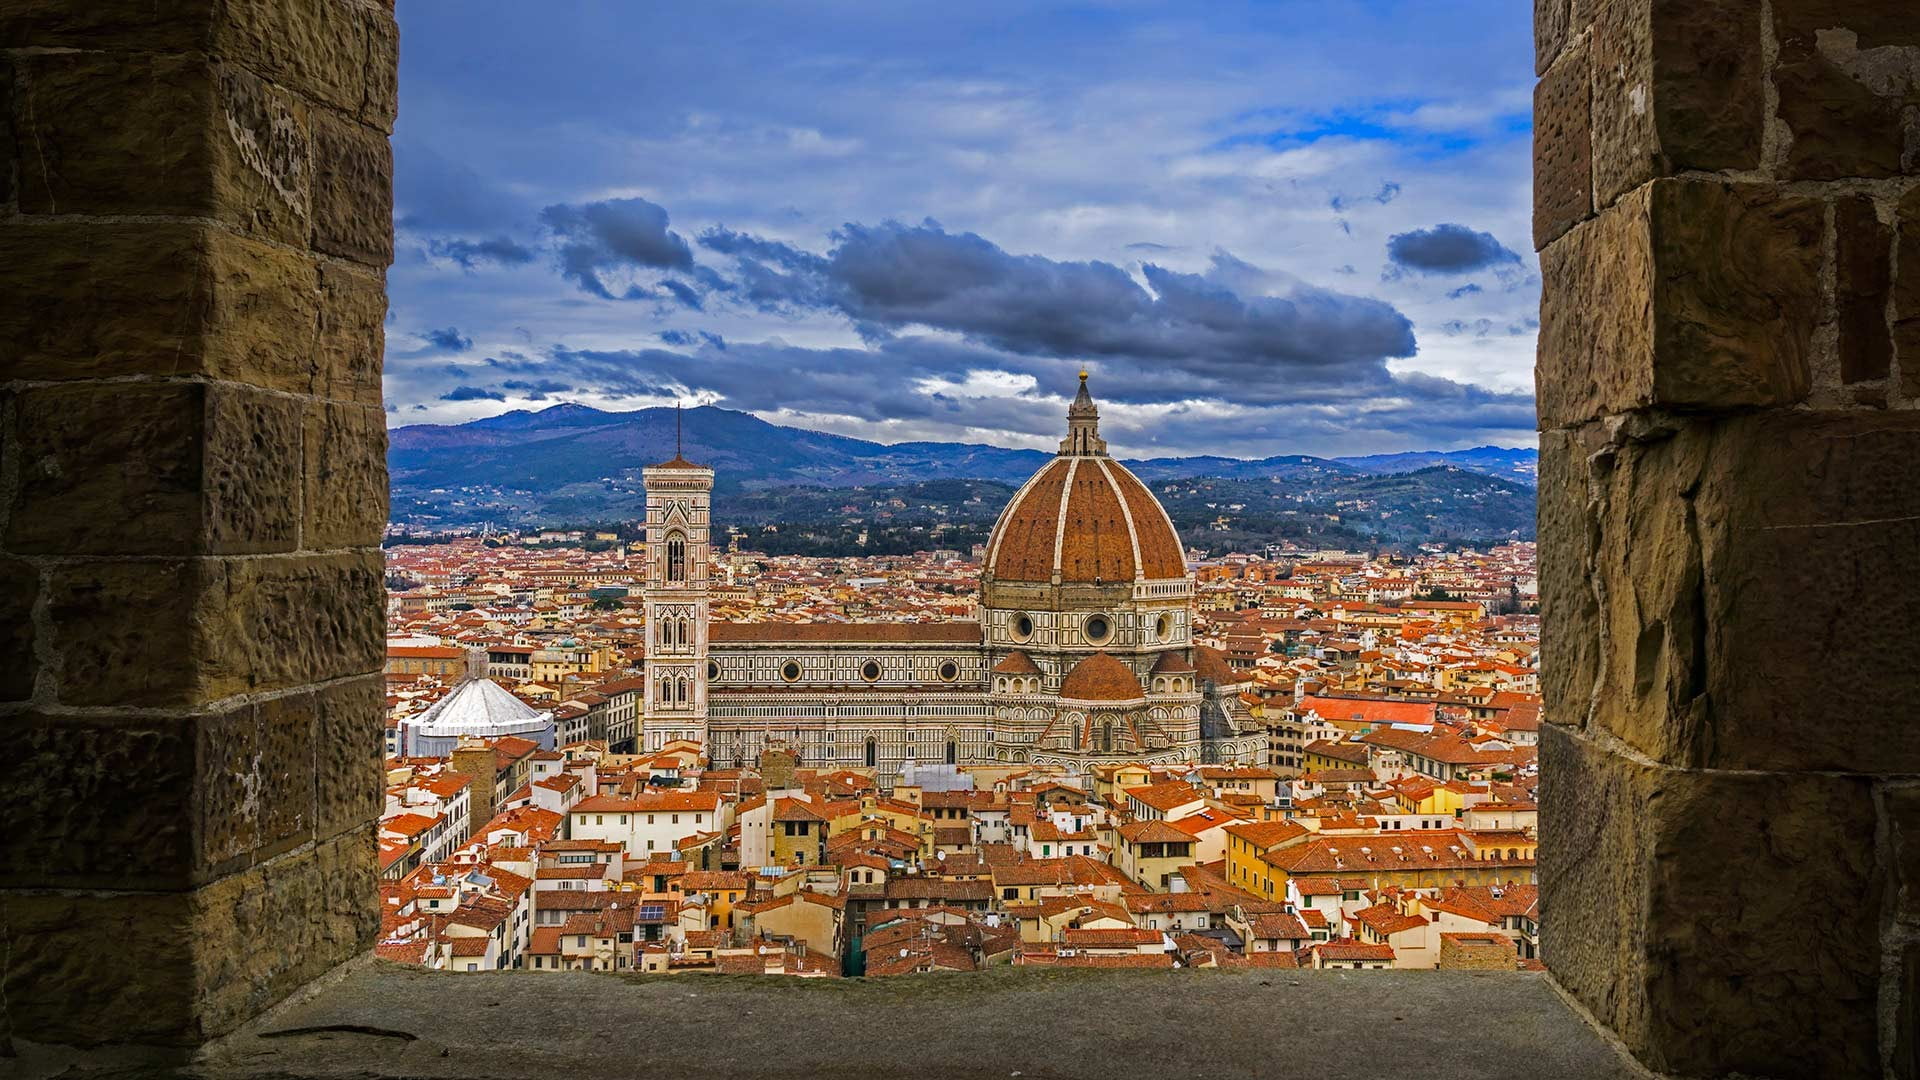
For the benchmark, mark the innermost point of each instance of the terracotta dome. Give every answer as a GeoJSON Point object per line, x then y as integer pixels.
{"type": "Point", "coordinates": [1084, 518]}
{"type": "Point", "coordinates": [1101, 678]}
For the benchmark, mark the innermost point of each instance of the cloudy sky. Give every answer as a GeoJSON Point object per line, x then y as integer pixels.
{"type": "Point", "coordinates": [1281, 227]}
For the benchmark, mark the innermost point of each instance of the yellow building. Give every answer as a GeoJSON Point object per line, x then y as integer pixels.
{"type": "Point", "coordinates": [799, 834]}
{"type": "Point", "coordinates": [1152, 852]}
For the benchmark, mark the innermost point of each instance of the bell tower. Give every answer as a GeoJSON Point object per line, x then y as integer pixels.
{"type": "Point", "coordinates": [679, 499]}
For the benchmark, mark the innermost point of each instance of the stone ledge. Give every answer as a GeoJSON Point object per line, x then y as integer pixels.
{"type": "Point", "coordinates": [383, 1020]}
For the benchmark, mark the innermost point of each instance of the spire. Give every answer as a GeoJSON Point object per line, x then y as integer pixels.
{"type": "Point", "coordinates": [1083, 424]}
{"type": "Point", "coordinates": [676, 428]}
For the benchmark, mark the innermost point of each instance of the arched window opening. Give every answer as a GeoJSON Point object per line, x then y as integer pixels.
{"type": "Point", "coordinates": [953, 752]}
{"type": "Point", "coordinates": [676, 558]}
{"type": "Point", "coordinates": [873, 752]}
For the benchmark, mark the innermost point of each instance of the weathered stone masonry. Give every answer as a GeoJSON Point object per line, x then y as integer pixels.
{"type": "Point", "coordinates": [195, 221]}
{"type": "Point", "coordinates": [1727, 206]}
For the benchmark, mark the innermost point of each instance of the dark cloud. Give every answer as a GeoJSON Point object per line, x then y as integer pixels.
{"type": "Point", "coordinates": [448, 340]}
{"type": "Point", "coordinates": [1463, 291]}
{"type": "Point", "coordinates": [1144, 245]}
{"type": "Point", "coordinates": [535, 389]}
{"type": "Point", "coordinates": [1234, 329]}
{"type": "Point", "coordinates": [687, 338]}
{"type": "Point", "coordinates": [470, 254]}
{"type": "Point", "coordinates": [472, 393]}
{"type": "Point", "coordinates": [1448, 249]}
{"type": "Point", "coordinates": [616, 234]}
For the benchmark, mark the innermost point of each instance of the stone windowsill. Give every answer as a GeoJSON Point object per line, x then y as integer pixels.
{"type": "Point", "coordinates": [383, 1020]}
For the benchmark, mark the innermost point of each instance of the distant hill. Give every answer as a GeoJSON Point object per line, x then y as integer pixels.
{"type": "Point", "coordinates": [572, 463]}
{"type": "Point", "coordinates": [1520, 465]}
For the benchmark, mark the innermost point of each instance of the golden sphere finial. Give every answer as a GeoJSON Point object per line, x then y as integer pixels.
{"type": "Point", "coordinates": [1083, 374]}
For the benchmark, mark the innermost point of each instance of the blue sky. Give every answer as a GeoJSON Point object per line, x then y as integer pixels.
{"type": "Point", "coordinates": [1266, 227]}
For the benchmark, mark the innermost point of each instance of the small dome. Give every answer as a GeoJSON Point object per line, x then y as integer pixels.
{"type": "Point", "coordinates": [1100, 677]}
{"type": "Point", "coordinates": [1084, 518]}
{"type": "Point", "coordinates": [1172, 663]}
{"type": "Point", "coordinates": [480, 707]}
{"type": "Point", "coordinates": [1016, 663]}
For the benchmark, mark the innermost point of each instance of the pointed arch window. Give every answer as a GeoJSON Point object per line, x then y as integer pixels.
{"type": "Point", "coordinates": [873, 752]}
{"type": "Point", "coordinates": [953, 752]}
{"type": "Point", "coordinates": [676, 558]}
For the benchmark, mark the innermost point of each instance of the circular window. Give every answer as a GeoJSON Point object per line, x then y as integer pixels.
{"type": "Point", "coordinates": [1164, 628]}
{"type": "Point", "coordinates": [1022, 626]}
{"type": "Point", "coordinates": [1098, 628]}
{"type": "Point", "coordinates": [790, 671]}
{"type": "Point", "coordinates": [870, 671]}
{"type": "Point", "coordinates": [713, 671]}
{"type": "Point", "coordinates": [949, 671]}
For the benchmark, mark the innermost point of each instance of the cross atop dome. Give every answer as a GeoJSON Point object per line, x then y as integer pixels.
{"type": "Point", "coordinates": [1083, 425]}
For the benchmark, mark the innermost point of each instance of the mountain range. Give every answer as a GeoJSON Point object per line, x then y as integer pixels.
{"type": "Point", "coordinates": [574, 463]}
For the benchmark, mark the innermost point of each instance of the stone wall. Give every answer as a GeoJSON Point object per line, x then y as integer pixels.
{"type": "Point", "coordinates": [1727, 206]}
{"type": "Point", "coordinates": [195, 220]}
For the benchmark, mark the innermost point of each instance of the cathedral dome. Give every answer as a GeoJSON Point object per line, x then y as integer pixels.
{"type": "Point", "coordinates": [1083, 518]}
{"type": "Point", "coordinates": [1101, 678]}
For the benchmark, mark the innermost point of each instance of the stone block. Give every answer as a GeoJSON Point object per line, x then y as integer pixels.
{"type": "Point", "coordinates": [382, 102]}
{"type": "Point", "coordinates": [254, 785]}
{"type": "Point", "coordinates": [253, 489]}
{"type": "Point", "coordinates": [1677, 87]}
{"type": "Point", "coordinates": [1903, 818]}
{"type": "Point", "coordinates": [352, 343]}
{"type": "Point", "coordinates": [260, 313]}
{"type": "Point", "coordinates": [89, 772]}
{"type": "Point", "coordinates": [1552, 27]}
{"type": "Point", "coordinates": [352, 191]}
{"type": "Point", "coordinates": [165, 633]}
{"type": "Point", "coordinates": [9, 157]}
{"type": "Point", "coordinates": [1750, 573]}
{"type": "Point", "coordinates": [110, 468]}
{"type": "Point", "coordinates": [1848, 77]}
{"type": "Point", "coordinates": [1663, 898]}
{"type": "Point", "coordinates": [349, 722]}
{"type": "Point", "coordinates": [1685, 294]}
{"type": "Point", "coordinates": [1906, 296]}
{"type": "Point", "coordinates": [1863, 277]}
{"type": "Point", "coordinates": [1906, 1016]}
{"type": "Point", "coordinates": [125, 632]}
{"type": "Point", "coordinates": [1570, 634]}
{"type": "Point", "coordinates": [163, 135]}
{"type": "Point", "coordinates": [1562, 146]}
{"type": "Point", "coordinates": [92, 968]}
{"type": "Point", "coordinates": [144, 25]}
{"type": "Point", "coordinates": [346, 475]}
{"type": "Point", "coordinates": [217, 792]}
{"type": "Point", "coordinates": [80, 300]}
{"type": "Point", "coordinates": [317, 48]}
{"type": "Point", "coordinates": [154, 468]}
{"type": "Point", "coordinates": [86, 300]}
{"type": "Point", "coordinates": [283, 622]}
{"type": "Point", "coordinates": [19, 591]}
{"type": "Point", "coordinates": [1594, 890]}
{"type": "Point", "coordinates": [261, 934]}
